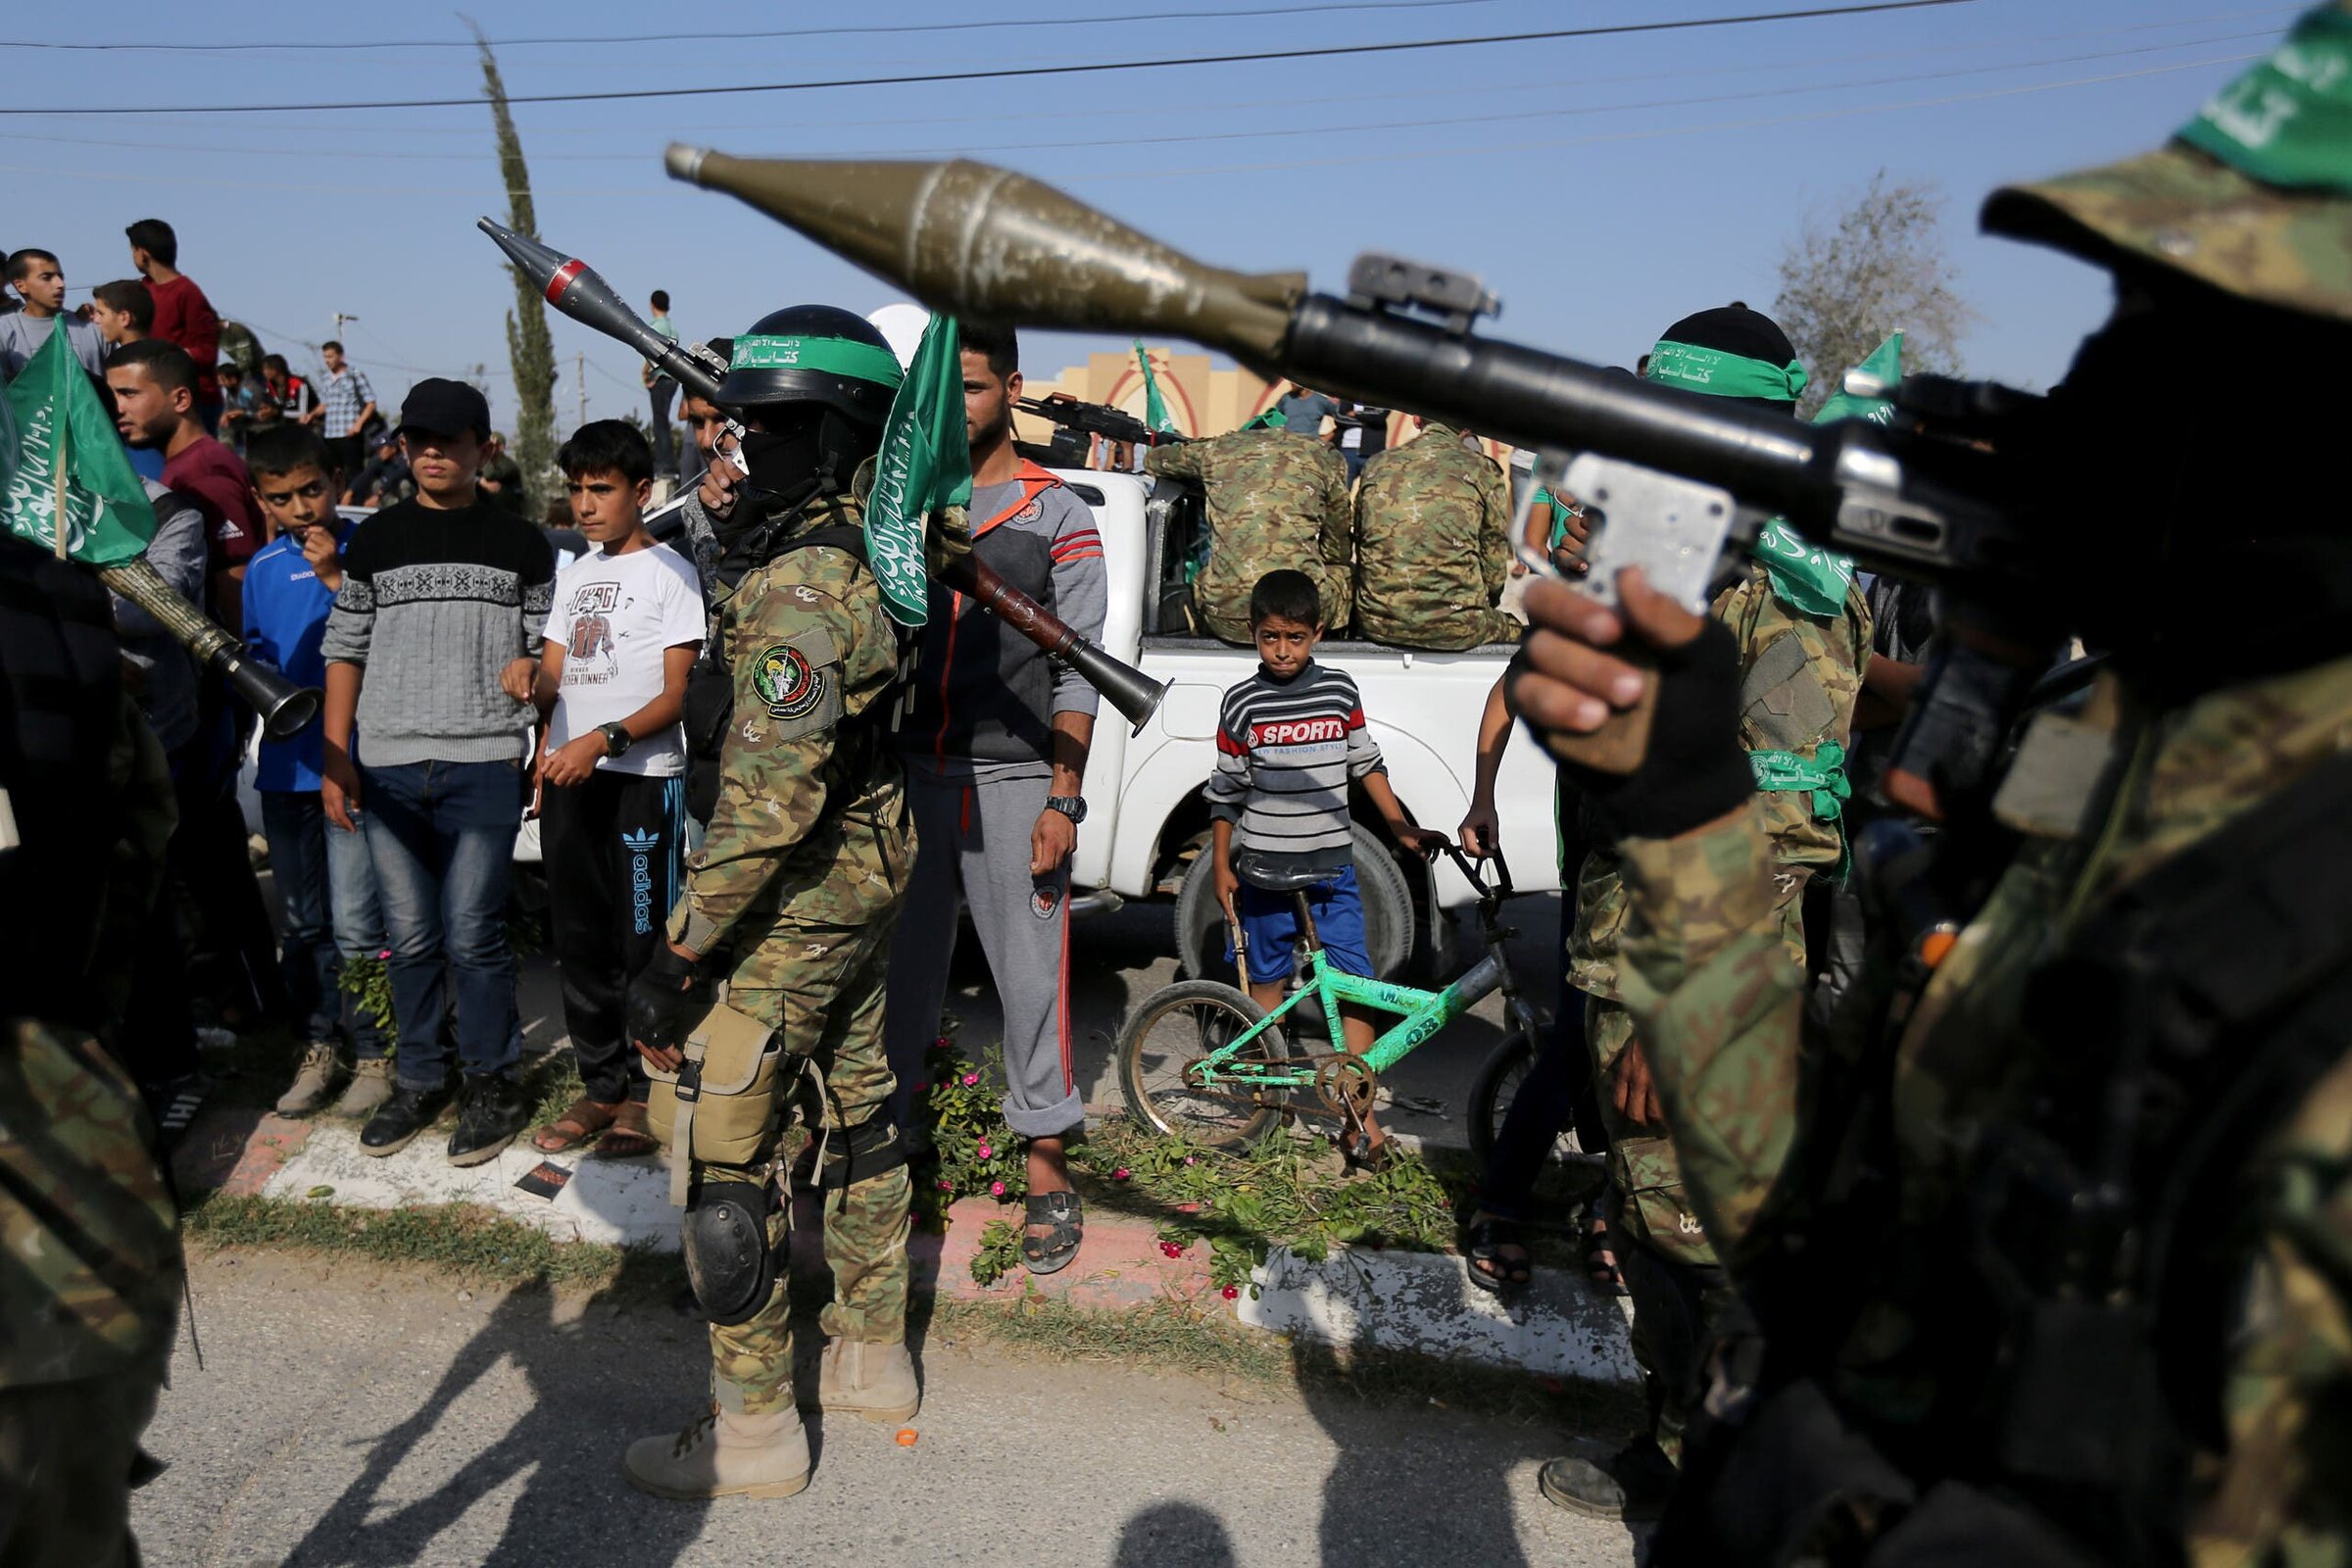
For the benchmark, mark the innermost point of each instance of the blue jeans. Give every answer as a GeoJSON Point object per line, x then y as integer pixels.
{"type": "Point", "coordinates": [442, 835]}
{"type": "Point", "coordinates": [326, 880]}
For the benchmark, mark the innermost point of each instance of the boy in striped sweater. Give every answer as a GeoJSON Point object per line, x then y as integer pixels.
{"type": "Point", "coordinates": [1289, 741]}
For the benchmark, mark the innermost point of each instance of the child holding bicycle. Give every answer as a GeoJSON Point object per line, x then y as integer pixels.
{"type": "Point", "coordinates": [1290, 739]}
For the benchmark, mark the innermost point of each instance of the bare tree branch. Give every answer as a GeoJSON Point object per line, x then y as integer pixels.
{"type": "Point", "coordinates": [1851, 276]}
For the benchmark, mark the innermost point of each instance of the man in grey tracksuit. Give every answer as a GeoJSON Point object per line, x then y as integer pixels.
{"type": "Point", "coordinates": [994, 746]}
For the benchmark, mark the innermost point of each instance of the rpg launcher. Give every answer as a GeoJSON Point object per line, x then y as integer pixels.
{"type": "Point", "coordinates": [576, 289]}
{"type": "Point", "coordinates": [1679, 477]}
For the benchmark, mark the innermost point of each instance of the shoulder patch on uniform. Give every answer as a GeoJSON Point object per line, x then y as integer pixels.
{"type": "Point", "coordinates": [786, 682]}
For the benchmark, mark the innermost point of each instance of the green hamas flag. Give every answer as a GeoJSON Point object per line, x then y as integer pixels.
{"type": "Point", "coordinates": [925, 464]}
{"type": "Point", "coordinates": [1156, 407]}
{"type": "Point", "coordinates": [54, 419]}
{"type": "Point", "coordinates": [1804, 576]}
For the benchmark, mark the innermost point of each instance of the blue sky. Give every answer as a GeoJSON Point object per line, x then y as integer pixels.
{"type": "Point", "coordinates": [1601, 186]}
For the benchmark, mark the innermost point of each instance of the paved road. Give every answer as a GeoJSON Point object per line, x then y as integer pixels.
{"type": "Point", "coordinates": [352, 1415]}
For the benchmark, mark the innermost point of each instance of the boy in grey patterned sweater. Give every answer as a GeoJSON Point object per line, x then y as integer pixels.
{"type": "Point", "coordinates": [431, 649]}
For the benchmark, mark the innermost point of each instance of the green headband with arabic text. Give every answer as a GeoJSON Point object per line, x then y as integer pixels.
{"type": "Point", "coordinates": [835, 355]}
{"type": "Point", "coordinates": [1723, 374]}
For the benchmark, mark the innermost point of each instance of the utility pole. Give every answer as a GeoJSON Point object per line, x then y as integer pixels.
{"type": "Point", "coordinates": [579, 373]}
{"type": "Point", "coordinates": [340, 318]}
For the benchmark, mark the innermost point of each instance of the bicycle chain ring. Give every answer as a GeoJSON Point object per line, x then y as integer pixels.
{"type": "Point", "coordinates": [1346, 1086]}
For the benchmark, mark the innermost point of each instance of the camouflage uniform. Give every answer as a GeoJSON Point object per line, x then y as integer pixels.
{"type": "Point", "coordinates": [1433, 541]}
{"type": "Point", "coordinates": [1970, 1068]}
{"type": "Point", "coordinates": [89, 1245]}
{"type": "Point", "coordinates": [800, 878]}
{"type": "Point", "coordinates": [1276, 500]}
{"type": "Point", "coordinates": [1802, 674]}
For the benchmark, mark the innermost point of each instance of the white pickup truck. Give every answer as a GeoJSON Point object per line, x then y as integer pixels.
{"type": "Point", "coordinates": [1147, 822]}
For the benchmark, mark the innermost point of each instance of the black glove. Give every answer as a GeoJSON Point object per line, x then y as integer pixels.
{"type": "Point", "coordinates": [662, 1004]}
{"type": "Point", "coordinates": [1694, 769]}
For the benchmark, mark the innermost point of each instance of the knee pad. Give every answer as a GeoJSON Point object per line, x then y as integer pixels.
{"type": "Point", "coordinates": [729, 1260]}
{"type": "Point", "coordinates": [852, 1155]}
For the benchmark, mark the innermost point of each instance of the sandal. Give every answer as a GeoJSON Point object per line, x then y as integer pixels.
{"type": "Point", "coordinates": [1600, 1259]}
{"type": "Point", "coordinates": [1376, 1157]}
{"type": "Point", "coordinates": [1052, 1251]}
{"type": "Point", "coordinates": [628, 1138]}
{"type": "Point", "coordinates": [1489, 1268]}
{"type": "Point", "coordinates": [582, 1121]}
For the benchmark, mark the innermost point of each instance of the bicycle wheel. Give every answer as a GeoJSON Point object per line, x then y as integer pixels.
{"type": "Point", "coordinates": [1490, 1104]}
{"type": "Point", "coordinates": [1167, 1036]}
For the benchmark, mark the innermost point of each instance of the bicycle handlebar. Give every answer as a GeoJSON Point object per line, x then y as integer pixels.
{"type": "Point", "coordinates": [1502, 888]}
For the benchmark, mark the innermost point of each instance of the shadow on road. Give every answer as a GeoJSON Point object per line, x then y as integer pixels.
{"type": "Point", "coordinates": [1173, 1534]}
{"type": "Point", "coordinates": [594, 1383]}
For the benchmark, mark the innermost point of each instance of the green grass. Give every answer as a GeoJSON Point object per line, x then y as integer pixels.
{"type": "Point", "coordinates": [459, 1240]}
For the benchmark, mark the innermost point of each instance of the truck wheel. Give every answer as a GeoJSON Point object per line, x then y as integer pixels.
{"type": "Point", "coordinates": [1388, 922]}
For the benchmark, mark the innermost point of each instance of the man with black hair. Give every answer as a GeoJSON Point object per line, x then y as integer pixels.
{"type": "Point", "coordinates": [431, 652]}
{"type": "Point", "coordinates": [994, 746]}
{"type": "Point", "coordinates": [345, 408]}
{"type": "Point", "coordinates": [38, 279]}
{"type": "Point", "coordinates": [182, 314]}
{"type": "Point", "coordinates": [661, 389]}
{"type": "Point", "coordinates": [295, 403]}
{"type": "Point", "coordinates": [626, 623]}
{"type": "Point", "coordinates": [123, 312]}
{"type": "Point", "coordinates": [154, 383]}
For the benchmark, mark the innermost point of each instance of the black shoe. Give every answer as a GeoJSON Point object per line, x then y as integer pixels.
{"type": "Point", "coordinates": [490, 1113]}
{"type": "Point", "coordinates": [1633, 1483]}
{"type": "Point", "coordinates": [398, 1120]}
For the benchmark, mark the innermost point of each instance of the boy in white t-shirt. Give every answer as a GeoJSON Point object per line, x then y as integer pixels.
{"type": "Point", "coordinates": [624, 628]}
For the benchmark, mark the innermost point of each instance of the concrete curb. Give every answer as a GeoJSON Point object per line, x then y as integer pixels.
{"type": "Point", "coordinates": [1418, 1302]}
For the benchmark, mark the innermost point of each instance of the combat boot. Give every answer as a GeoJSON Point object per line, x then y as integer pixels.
{"type": "Point", "coordinates": [370, 1086]}
{"type": "Point", "coordinates": [874, 1381]}
{"type": "Point", "coordinates": [721, 1454]}
{"type": "Point", "coordinates": [309, 1090]}
{"type": "Point", "coordinates": [1632, 1484]}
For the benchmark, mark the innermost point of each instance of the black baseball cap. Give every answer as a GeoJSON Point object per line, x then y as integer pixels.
{"type": "Point", "coordinates": [445, 408]}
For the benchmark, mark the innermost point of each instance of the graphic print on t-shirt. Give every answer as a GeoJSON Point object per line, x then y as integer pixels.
{"type": "Point", "coordinates": [589, 657]}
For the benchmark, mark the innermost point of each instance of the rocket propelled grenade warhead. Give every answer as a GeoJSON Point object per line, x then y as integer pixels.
{"type": "Point", "coordinates": [580, 292]}
{"type": "Point", "coordinates": [982, 242]}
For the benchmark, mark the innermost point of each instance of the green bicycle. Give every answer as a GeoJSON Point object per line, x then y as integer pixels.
{"type": "Point", "coordinates": [1202, 1059]}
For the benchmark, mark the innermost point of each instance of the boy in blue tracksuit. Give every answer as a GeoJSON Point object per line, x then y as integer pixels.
{"type": "Point", "coordinates": [325, 876]}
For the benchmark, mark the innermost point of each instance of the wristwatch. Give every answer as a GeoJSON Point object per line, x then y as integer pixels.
{"type": "Point", "coordinates": [1072, 807]}
{"type": "Point", "coordinates": [617, 738]}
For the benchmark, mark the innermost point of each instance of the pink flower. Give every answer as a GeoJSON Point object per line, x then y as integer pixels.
{"type": "Point", "coordinates": [986, 1153]}
{"type": "Point", "coordinates": [385, 954]}
{"type": "Point", "coordinates": [1171, 1249]}
{"type": "Point", "coordinates": [1121, 1174]}
{"type": "Point", "coordinates": [922, 1089]}
{"type": "Point", "coordinates": [971, 1080]}
{"type": "Point", "coordinates": [946, 1186]}
{"type": "Point", "coordinates": [995, 1188]}
{"type": "Point", "coordinates": [940, 1044]}
{"type": "Point", "coordinates": [1230, 1292]}
{"type": "Point", "coordinates": [1189, 1160]}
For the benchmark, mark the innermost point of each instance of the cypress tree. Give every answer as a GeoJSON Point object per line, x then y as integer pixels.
{"type": "Point", "coordinates": [530, 349]}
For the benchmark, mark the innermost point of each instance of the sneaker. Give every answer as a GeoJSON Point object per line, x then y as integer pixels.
{"type": "Point", "coordinates": [874, 1381]}
{"type": "Point", "coordinates": [1632, 1485]}
{"type": "Point", "coordinates": [401, 1116]}
{"type": "Point", "coordinates": [490, 1113]}
{"type": "Point", "coordinates": [309, 1089]}
{"type": "Point", "coordinates": [723, 1454]}
{"type": "Point", "coordinates": [370, 1087]}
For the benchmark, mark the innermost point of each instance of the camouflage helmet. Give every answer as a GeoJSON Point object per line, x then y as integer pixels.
{"type": "Point", "coordinates": [2252, 196]}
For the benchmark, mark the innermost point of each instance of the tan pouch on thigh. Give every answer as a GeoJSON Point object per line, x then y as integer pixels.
{"type": "Point", "coordinates": [717, 1108]}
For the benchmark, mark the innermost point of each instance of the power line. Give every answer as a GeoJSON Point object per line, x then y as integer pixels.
{"type": "Point", "coordinates": [1350, 6]}
{"type": "Point", "coordinates": [1318, 52]}
{"type": "Point", "coordinates": [1546, 84]}
{"type": "Point", "coordinates": [1402, 155]}
{"type": "Point", "coordinates": [1245, 134]}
